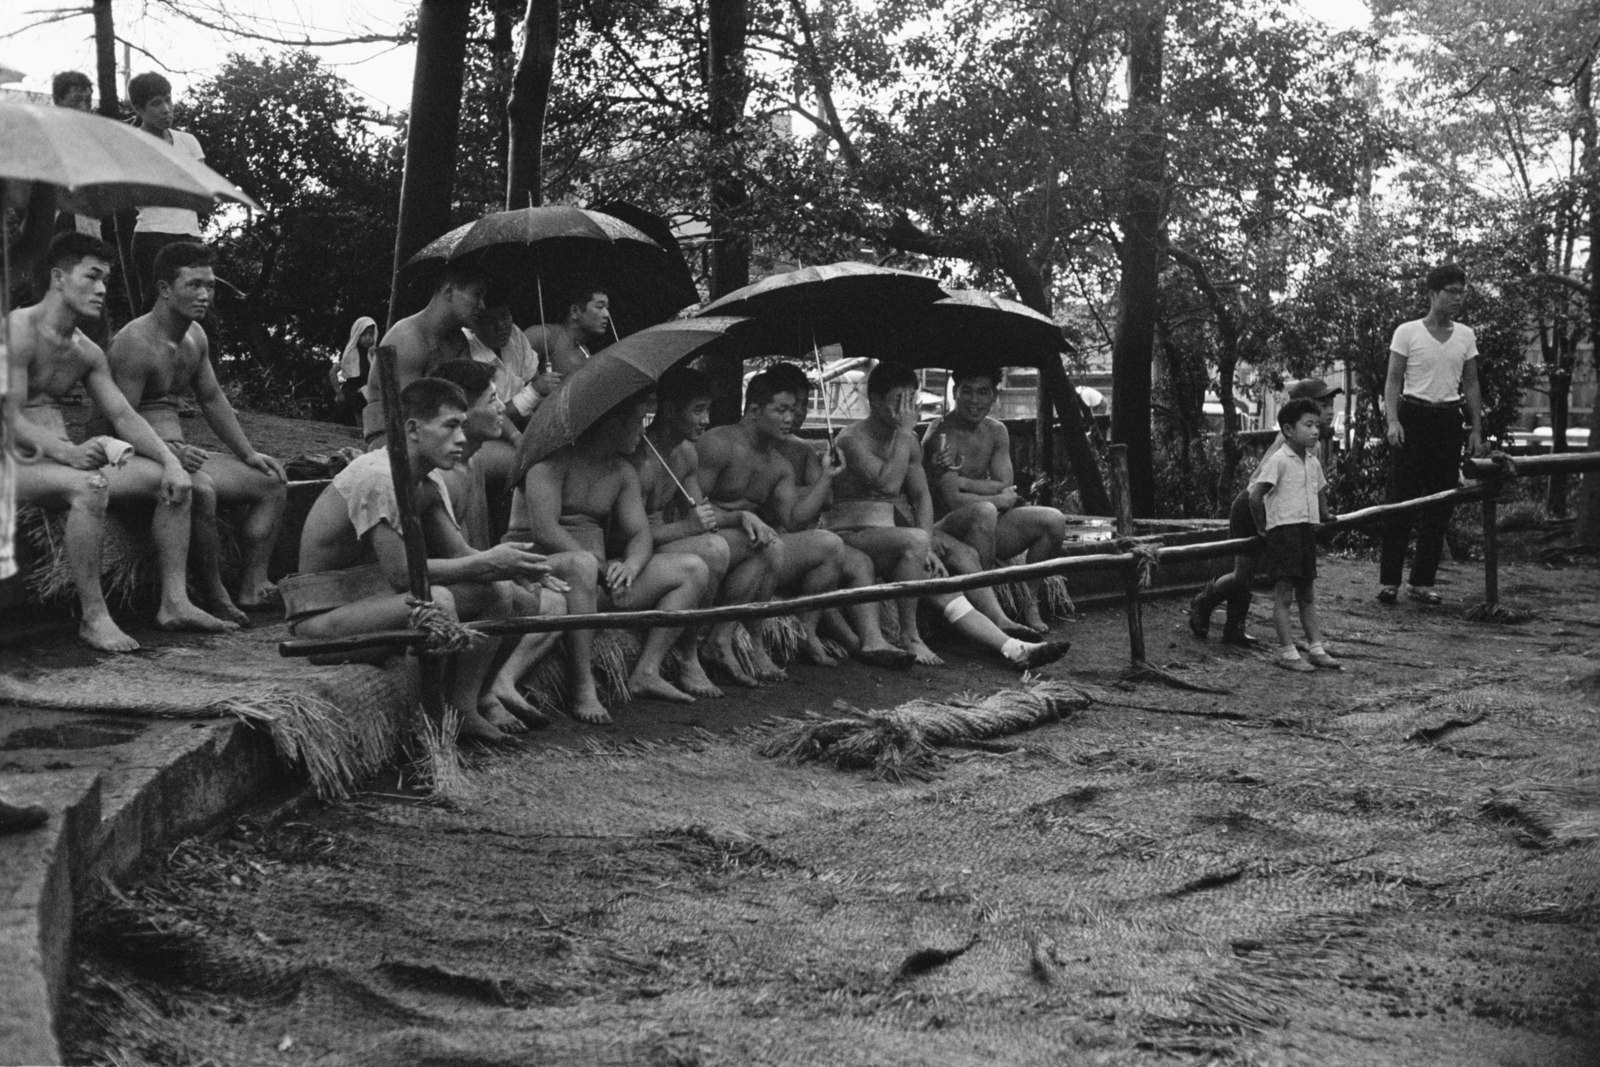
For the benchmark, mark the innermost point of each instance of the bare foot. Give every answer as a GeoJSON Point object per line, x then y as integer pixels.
{"type": "Point", "coordinates": [221, 606]}
{"type": "Point", "coordinates": [261, 597]}
{"type": "Point", "coordinates": [724, 661]}
{"type": "Point", "coordinates": [586, 707]}
{"type": "Point", "coordinates": [813, 651]}
{"type": "Point", "coordinates": [475, 728]}
{"type": "Point", "coordinates": [506, 694]}
{"type": "Point", "coordinates": [692, 679]}
{"type": "Point", "coordinates": [497, 716]}
{"type": "Point", "coordinates": [1033, 620]}
{"type": "Point", "coordinates": [766, 670]}
{"type": "Point", "coordinates": [188, 617]}
{"type": "Point", "coordinates": [923, 653]}
{"type": "Point", "coordinates": [840, 632]}
{"type": "Point", "coordinates": [655, 687]}
{"type": "Point", "coordinates": [106, 635]}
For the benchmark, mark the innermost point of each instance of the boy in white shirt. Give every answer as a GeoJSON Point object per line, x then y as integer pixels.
{"type": "Point", "coordinates": [151, 96]}
{"type": "Point", "coordinates": [1288, 499]}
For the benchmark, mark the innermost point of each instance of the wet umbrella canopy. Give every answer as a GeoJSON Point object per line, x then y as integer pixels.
{"type": "Point", "coordinates": [541, 252]}
{"type": "Point", "coordinates": [636, 362]}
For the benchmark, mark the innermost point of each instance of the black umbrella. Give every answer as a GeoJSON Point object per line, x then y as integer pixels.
{"type": "Point", "coordinates": [967, 328]}
{"type": "Point", "coordinates": [540, 253]}
{"type": "Point", "coordinates": [801, 309]}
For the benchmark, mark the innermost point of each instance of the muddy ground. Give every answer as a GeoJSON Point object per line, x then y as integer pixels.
{"type": "Point", "coordinates": [1395, 864]}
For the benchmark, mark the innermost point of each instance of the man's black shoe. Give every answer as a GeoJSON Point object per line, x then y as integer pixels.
{"type": "Point", "coordinates": [1199, 617]}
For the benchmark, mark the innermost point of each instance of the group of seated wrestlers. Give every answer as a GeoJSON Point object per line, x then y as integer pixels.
{"type": "Point", "coordinates": [675, 517]}
{"type": "Point", "coordinates": [136, 455]}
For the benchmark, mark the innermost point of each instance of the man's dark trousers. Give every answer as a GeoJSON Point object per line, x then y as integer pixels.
{"type": "Point", "coordinates": [1428, 462]}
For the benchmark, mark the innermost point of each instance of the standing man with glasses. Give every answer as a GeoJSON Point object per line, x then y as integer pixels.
{"type": "Point", "coordinates": [1433, 367]}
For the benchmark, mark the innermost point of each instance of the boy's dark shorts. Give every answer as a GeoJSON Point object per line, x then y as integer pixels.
{"type": "Point", "coordinates": [1291, 553]}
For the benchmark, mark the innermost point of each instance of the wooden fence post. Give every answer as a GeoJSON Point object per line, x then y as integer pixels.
{"type": "Point", "coordinates": [430, 669]}
{"type": "Point", "coordinates": [1491, 552]}
{"type": "Point", "coordinates": [1122, 501]}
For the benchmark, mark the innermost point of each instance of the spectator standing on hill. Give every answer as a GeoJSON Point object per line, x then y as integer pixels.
{"type": "Point", "coordinates": [354, 366]}
{"type": "Point", "coordinates": [1433, 368]}
{"type": "Point", "coordinates": [157, 227]}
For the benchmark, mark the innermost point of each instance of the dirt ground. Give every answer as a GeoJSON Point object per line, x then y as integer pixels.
{"type": "Point", "coordinates": [1395, 864]}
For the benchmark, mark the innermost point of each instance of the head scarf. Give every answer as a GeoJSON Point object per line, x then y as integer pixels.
{"type": "Point", "coordinates": [350, 362]}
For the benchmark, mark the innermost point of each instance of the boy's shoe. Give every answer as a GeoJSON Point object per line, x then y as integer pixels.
{"type": "Point", "coordinates": [1423, 594]}
{"type": "Point", "coordinates": [1236, 635]}
{"type": "Point", "coordinates": [1297, 665]}
{"type": "Point", "coordinates": [1389, 594]}
{"type": "Point", "coordinates": [1199, 616]}
{"type": "Point", "coordinates": [1325, 661]}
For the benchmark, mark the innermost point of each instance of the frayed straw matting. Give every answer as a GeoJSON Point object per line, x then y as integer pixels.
{"type": "Point", "coordinates": [340, 723]}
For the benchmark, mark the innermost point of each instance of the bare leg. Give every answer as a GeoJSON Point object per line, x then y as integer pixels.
{"type": "Point", "coordinates": [716, 550]}
{"type": "Point", "coordinates": [1310, 620]}
{"type": "Point", "coordinates": [1039, 532]}
{"type": "Point", "coordinates": [812, 563]}
{"type": "Point", "coordinates": [902, 553]}
{"type": "Point", "coordinates": [858, 572]}
{"type": "Point", "coordinates": [960, 558]}
{"type": "Point", "coordinates": [206, 544]}
{"type": "Point", "coordinates": [140, 480]}
{"type": "Point", "coordinates": [673, 582]}
{"type": "Point", "coordinates": [981, 631]}
{"type": "Point", "coordinates": [267, 498]}
{"type": "Point", "coordinates": [1282, 597]}
{"type": "Point", "coordinates": [84, 494]}
{"type": "Point", "coordinates": [525, 652]}
{"type": "Point", "coordinates": [581, 571]}
{"type": "Point", "coordinates": [482, 716]}
{"type": "Point", "coordinates": [750, 579]}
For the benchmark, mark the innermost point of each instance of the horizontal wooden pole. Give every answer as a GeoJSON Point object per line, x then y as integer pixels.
{"type": "Point", "coordinates": [1533, 466]}
{"type": "Point", "coordinates": [1024, 572]}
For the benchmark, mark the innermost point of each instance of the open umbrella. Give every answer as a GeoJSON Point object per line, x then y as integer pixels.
{"type": "Point", "coordinates": [610, 376]}
{"type": "Point", "coordinates": [104, 166]}
{"type": "Point", "coordinates": [543, 251]}
{"type": "Point", "coordinates": [802, 309]}
{"type": "Point", "coordinates": [967, 328]}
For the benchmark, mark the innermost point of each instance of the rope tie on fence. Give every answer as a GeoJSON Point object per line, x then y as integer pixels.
{"type": "Point", "coordinates": [1146, 558]}
{"type": "Point", "coordinates": [1504, 465]}
{"type": "Point", "coordinates": [445, 634]}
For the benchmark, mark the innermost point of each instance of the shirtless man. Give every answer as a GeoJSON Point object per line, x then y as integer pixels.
{"type": "Point", "coordinates": [741, 552]}
{"type": "Point", "coordinates": [883, 461]}
{"type": "Point", "coordinates": [569, 500]}
{"type": "Point", "coordinates": [744, 471]}
{"type": "Point", "coordinates": [164, 353]}
{"type": "Point", "coordinates": [428, 338]}
{"type": "Point", "coordinates": [49, 355]}
{"type": "Point", "coordinates": [563, 346]}
{"type": "Point", "coordinates": [353, 576]}
{"type": "Point", "coordinates": [473, 508]}
{"type": "Point", "coordinates": [982, 478]}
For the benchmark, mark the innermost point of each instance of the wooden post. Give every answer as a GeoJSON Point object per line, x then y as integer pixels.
{"type": "Point", "coordinates": [1135, 613]}
{"type": "Point", "coordinates": [1121, 494]}
{"type": "Point", "coordinates": [1491, 554]}
{"type": "Point", "coordinates": [430, 668]}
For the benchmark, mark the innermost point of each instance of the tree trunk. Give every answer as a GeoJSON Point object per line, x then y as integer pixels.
{"type": "Point", "coordinates": [1141, 254]}
{"type": "Point", "coordinates": [428, 185]}
{"type": "Point", "coordinates": [1587, 531]}
{"type": "Point", "coordinates": [726, 89]}
{"type": "Point", "coordinates": [105, 60]}
{"type": "Point", "coordinates": [530, 96]}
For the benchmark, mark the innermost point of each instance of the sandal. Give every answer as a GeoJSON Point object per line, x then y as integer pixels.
{"type": "Point", "coordinates": [1423, 594]}
{"type": "Point", "coordinates": [1389, 594]}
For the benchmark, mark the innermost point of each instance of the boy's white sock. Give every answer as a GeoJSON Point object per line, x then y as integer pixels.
{"type": "Point", "coordinates": [1317, 649]}
{"type": "Point", "coordinates": [1288, 652]}
{"type": "Point", "coordinates": [1014, 650]}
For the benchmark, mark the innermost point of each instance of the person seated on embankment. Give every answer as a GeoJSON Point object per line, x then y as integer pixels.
{"type": "Point", "coordinates": [477, 509]}
{"type": "Point", "coordinates": [50, 355]}
{"type": "Point", "coordinates": [744, 470]}
{"type": "Point", "coordinates": [585, 320]}
{"type": "Point", "coordinates": [164, 353]}
{"type": "Point", "coordinates": [742, 553]}
{"type": "Point", "coordinates": [1234, 587]}
{"type": "Point", "coordinates": [567, 503]}
{"type": "Point", "coordinates": [427, 339]}
{"type": "Point", "coordinates": [883, 461]}
{"type": "Point", "coordinates": [855, 567]}
{"type": "Point", "coordinates": [975, 496]}
{"type": "Point", "coordinates": [352, 576]}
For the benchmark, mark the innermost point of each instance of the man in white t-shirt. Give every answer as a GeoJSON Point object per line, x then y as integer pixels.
{"type": "Point", "coordinates": [1433, 368]}
{"type": "Point", "coordinates": [151, 96]}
